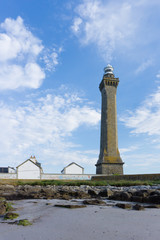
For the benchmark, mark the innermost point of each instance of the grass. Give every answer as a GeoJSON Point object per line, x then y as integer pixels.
{"type": "Point", "coordinates": [24, 222]}
{"type": "Point", "coordinates": [90, 183]}
{"type": "Point", "coordinates": [117, 183]}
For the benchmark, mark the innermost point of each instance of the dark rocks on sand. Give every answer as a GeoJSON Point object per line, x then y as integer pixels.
{"type": "Point", "coordinates": [69, 206]}
{"type": "Point", "coordinates": [94, 202]}
{"type": "Point", "coordinates": [124, 205]}
{"type": "Point", "coordinates": [138, 207]}
{"type": "Point", "coordinates": [152, 206]}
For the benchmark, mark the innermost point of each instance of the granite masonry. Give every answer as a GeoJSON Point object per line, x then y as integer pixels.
{"type": "Point", "coordinates": [109, 161]}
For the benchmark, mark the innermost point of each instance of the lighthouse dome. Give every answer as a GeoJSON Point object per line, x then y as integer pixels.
{"type": "Point", "coordinates": [108, 69]}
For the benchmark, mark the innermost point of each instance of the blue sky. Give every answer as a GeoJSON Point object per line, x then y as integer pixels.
{"type": "Point", "coordinates": [52, 55]}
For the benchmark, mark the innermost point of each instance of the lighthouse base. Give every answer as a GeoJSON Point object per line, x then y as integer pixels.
{"type": "Point", "coordinates": [109, 168]}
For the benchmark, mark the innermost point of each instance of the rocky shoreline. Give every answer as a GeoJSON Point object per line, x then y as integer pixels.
{"type": "Point", "coordinates": [140, 194]}
{"type": "Point", "coordinates": [95, 212]}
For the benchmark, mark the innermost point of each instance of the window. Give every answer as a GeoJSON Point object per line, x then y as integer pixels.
{"type": "Point", "coordinates": [4, 170]}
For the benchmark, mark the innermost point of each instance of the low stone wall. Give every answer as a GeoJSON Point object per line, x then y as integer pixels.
{"type": "Point", "coordinates": [135, 177]}
{"type": "Point", "coordinates": [51, 176]}
{"type": "Point", "coordinates": [47, 176]}
{"type": "Point", "coordinates": [8, 176]}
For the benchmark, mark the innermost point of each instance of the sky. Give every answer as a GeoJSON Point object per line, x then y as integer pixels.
{"type": "Point", "coordinates": [52, 56]}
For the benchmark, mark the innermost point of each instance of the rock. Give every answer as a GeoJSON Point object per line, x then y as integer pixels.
{"type": "Point", "coordinates": [47, 192]}
{"type": "Point", "coordinates": [152, 206]}
{"type": "Point", "coordinates": [7, 188]}
{"type": "Point", "coordinates": [116, 196]}
{"type": "Point", "coordinates": [141, 193]}
{"type": "Point", "coordinates": [124, 205]}
{"type": "Point", "coordinates": [154, 193]}
{"type": "Point", "coordinates": [69, 206]}
{"type": "Point", "coordinates": [65, 196]}
{"type": "Point", "coordinates": [154, 199]}
{"type": "Point", "coordinates": [92, 193]}
{"type": "Point", "coordinates": [10, 196]}
{"type": "Point", "coordinates": [136, 199]}
{"type": "Point", "coordinates": [2, 207]}
{"type": "Point", "coordinates": [138, 207]}
{"type": "Point", "coordinates": [94, 202]}
{"type": "Point", "coordinates": [28, 188]}
{"type": "Point", "coordinates": [125, 196]}
{"type": "Point", "coordinates": [146, 194]}
{"type": "Point", "coordinates": [121, 196]}
{"type": "Point", "coordinates": [105, 193]}
{"type": "Point", "coordinates": [80, 195]}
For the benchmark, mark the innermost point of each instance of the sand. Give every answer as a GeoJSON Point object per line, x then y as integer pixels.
{"type": "Point", "coordinates": [92, 222]}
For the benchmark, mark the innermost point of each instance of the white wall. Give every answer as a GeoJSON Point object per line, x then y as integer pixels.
{"type": "Point", "coordinates": [8, 175]}
{"type": "Point", "coordinates": [73, 169]}
{"type": "Point", "coordinates": [11, 170]}
{"type": "Point", "coordinates": [50, 176]}
{"type": "Point", "coordinates": [28, 170]}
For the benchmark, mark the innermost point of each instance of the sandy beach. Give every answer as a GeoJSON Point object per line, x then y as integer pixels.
{"type": "Point", "coordinates": [92, 222]}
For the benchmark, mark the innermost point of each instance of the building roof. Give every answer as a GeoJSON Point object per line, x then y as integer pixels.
{"type": "Point", "coordinates": [70, 165]}
{"type": "Point", "coordinates": [37, 163]}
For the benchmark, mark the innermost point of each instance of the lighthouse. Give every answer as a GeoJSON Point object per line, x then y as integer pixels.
{"type": "Point", "coordinates": [109, 161]}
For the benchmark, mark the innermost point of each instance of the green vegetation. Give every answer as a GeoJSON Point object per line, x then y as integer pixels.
{"type": "Point", "coordinates": [9, 206]}
{"type": "Point", "coordinates": [55, 182]}
{"type": "Point", "coordinates": [80, 182]}
{"type": "Point", "coordinates": [90, 183]}
{"type": "Point", "coordinates": [24, 222]}
{"type": "Point", "coordinates": [11, 216]}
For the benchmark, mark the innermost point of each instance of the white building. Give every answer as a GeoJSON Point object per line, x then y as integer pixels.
{"type": "Point", "coordinates": [30, 169]}
{"type": "Point", "coordinates": [7, 170]}
{"type": "Point", "coordinates": [11, 170]}
{"type": "Point", "coordinates": [73, 168]}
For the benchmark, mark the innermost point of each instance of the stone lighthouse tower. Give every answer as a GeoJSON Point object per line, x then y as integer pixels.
{"type": "Point", "coordinates": [109, 161]}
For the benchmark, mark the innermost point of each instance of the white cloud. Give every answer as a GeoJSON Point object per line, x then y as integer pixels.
{"type": "Point", "coordinates": [146, 118]}
{"type": "Point", "coordinates": [158, 75]}
{"type": "Point", "coordinates": [107, 25]}
{"type": "Point", "coordinates": [144, 66]}
{"type": "Point", "coordinates": [50, 58]}
{"type": "Point", "coordinates": [116, 27]}
{"type": "Point", "coordinates": [44, 128]}
{"type": "Point", "coordinates": [19, 50]}
{"type": "Point", "coordinates": [76, 25]}
{"type": "Point", "coordinates": [144, 126]}
{"type": "Point", "coordinates": [141, 162]}
{"type": "Point", "coordinates": [14, 76]}
{"type": "Point", "coordinates": [17, 40]}
{"type": "Point", "coordinates": [129, 149]}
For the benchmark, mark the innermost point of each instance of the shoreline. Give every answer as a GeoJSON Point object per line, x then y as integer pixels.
{"type": "Point", "coordinates": [141, 194]}
{"type": "Point", "coordinates": [92, 222]}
